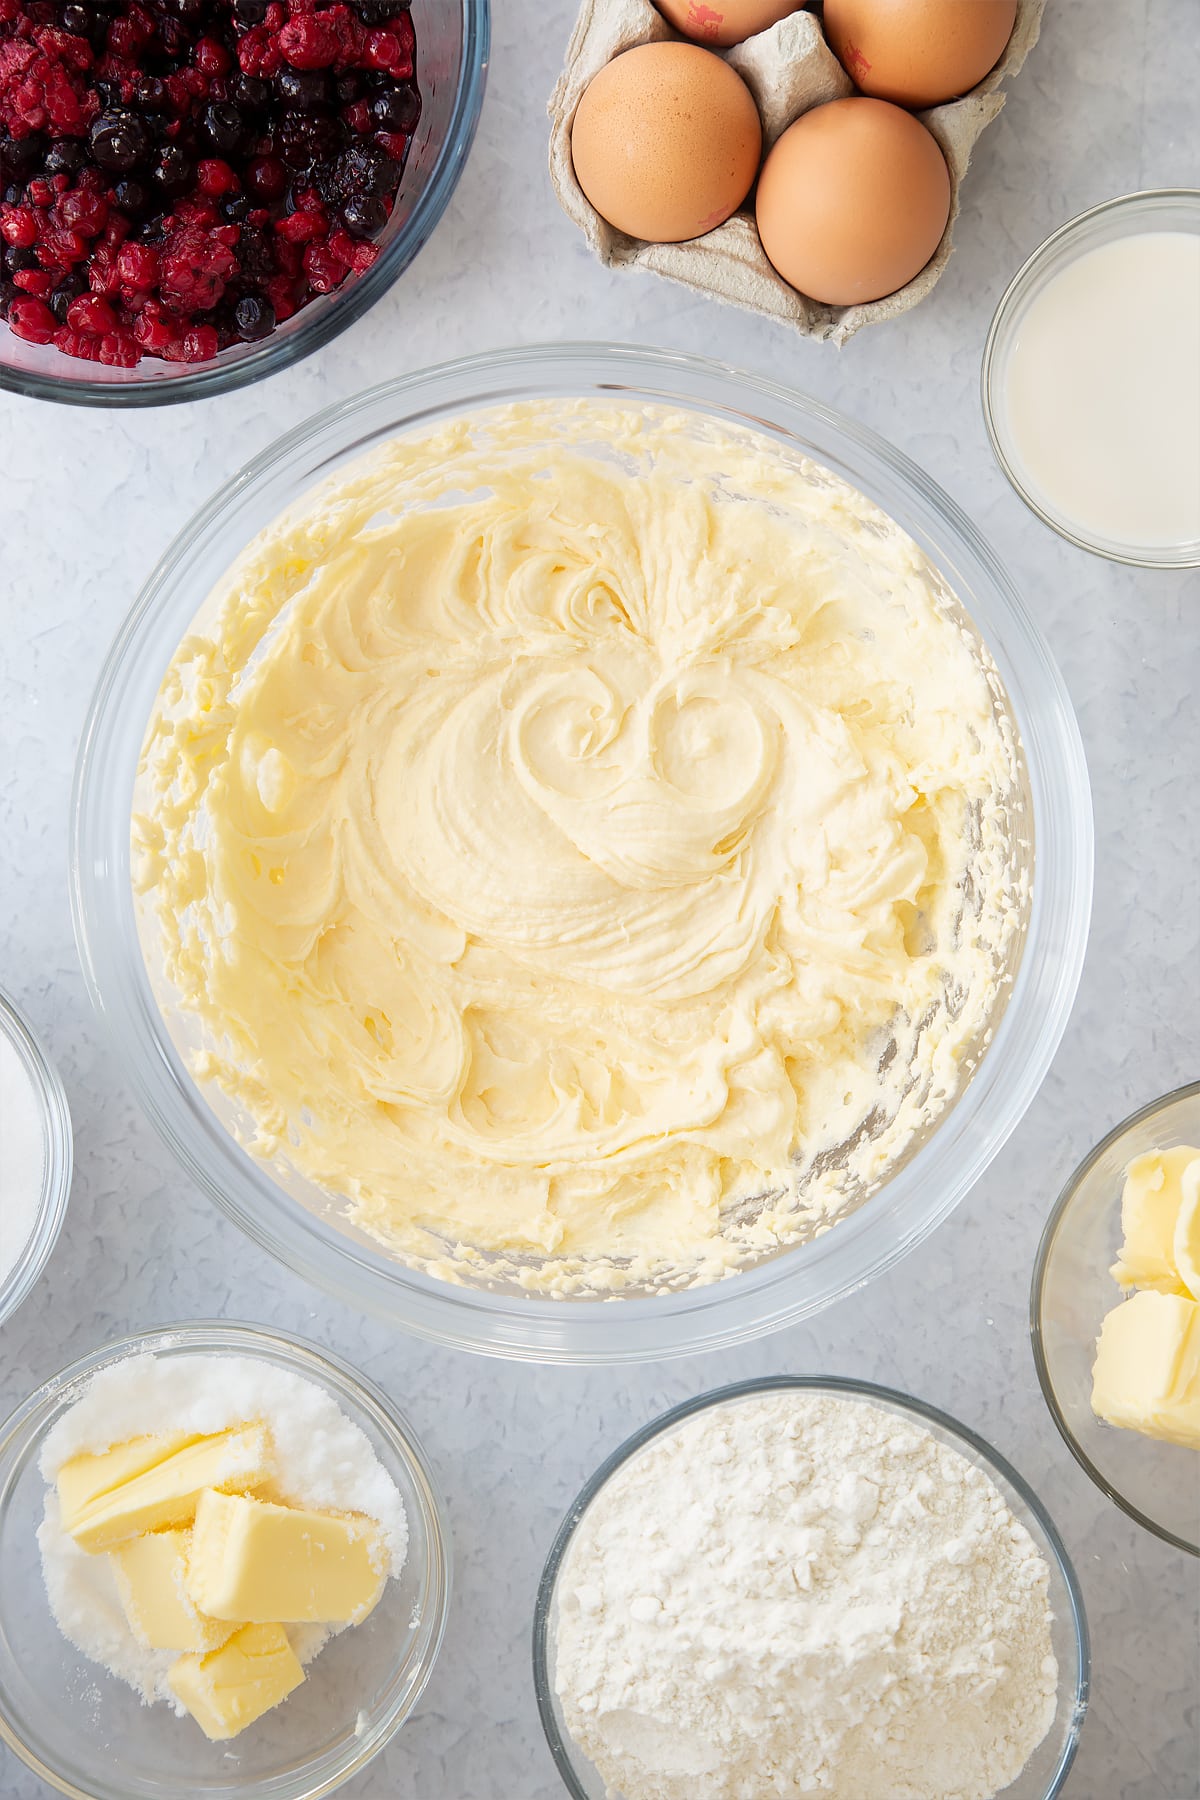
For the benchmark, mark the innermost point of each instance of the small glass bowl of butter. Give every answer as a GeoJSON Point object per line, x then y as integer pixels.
{"type": "Point", "coordinates": [89, 1735]}
{"type": "Point", "coordinates": [1114, 1269]}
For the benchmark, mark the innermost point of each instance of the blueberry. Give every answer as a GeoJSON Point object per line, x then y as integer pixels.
{"type": "Point", "coordinates": [249, 12]}
{"type": "Point", "coordinates": [254, 318]}
{"type": "Point", "coordinates": [16, 258]}
{"type": "Point", "coordinates": [224, 125]}
{"type": "Point", "coordinates": [236, 207]}
{"type": "Point", "coordinates": [364, 215]}
{"type": "Point", "coordinates": [396, 108]}
{"type": "Point", "coordinates": [119, 140]}
{"type": "Point", "coordinates": [132, 198]}
{"type": "Point", "coordinates": [66, 291]}
{"type": "Point", "coordinates": [150, 95]}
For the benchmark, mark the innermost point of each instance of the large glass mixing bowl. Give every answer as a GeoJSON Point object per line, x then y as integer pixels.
{"type": "Point", "coordinates": [307, 1228]}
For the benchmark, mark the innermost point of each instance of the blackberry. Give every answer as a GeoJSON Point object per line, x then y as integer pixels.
{"type": "Point", "coordinates": [304, 90]}
{"type": "Point", "coordinates": [66, 156]}
{"type": "Point", "coordinates": [173, 170]}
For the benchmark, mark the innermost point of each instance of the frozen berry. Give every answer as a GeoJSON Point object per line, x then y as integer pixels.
{"type": "Point", "coordinates": [396, 107]}
{"type": "Point", "coordinates": [119, 140]}
{"type": "Point", "coordinates": [254, 318]}
{"type": "Point", "coordinates": [364, 215]}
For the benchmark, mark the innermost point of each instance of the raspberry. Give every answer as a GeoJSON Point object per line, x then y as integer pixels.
{"type": "Point", "coordinates": [303, 227]}
{"type": "Point", "coordinates": [32, 320]}
{"type": "Point", "coordinates": [195, 270]}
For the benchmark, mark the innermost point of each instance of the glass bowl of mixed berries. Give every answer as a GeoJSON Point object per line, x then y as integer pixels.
{"type": "Point", "coordinates": [194, 193]}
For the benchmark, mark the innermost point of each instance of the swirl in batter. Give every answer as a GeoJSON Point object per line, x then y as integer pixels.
{"type": "Point", "coordinates": [585, 837]}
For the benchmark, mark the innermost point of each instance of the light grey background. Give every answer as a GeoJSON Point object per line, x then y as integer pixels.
{"type": "Point", "coordinates": [1108, 103]}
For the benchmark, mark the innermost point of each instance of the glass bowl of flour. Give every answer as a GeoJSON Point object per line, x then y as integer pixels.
{"type": "Point", "coordinates": [809, 1585]}
{"type": "Point", "coordinates": [35, 1157]}
{"type": "Point", "coordinates": [582, 852]}
{"type": "Point", "coordinates": [81, 1720]}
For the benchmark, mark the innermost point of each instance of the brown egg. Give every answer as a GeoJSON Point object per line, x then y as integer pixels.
{"type": "Point", "coordinates": [918, 52]}
{"type": "Point", "coordinates": [852, 201]}
{"type": "Point", "coordinates": [725, 22]}
{"type": "Point", "coordinates": [666, 142]}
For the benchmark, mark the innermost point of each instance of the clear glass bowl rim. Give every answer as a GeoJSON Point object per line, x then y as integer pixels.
{"type": "Point", "coordinates": [756, 1300]}
{"type": "Point", "coordinates": [1189, 1090]}
{"type": "Point", "coordinates": [60, 1157]}
{"type": "Point", "coordinates": [826, 1384]}
{"type": "Point", "coordinates": [1018, 290]}
{"type": "Point", "coordinates": [350, 303]}
{"type": "Point", "coordinates": [30, 1419]}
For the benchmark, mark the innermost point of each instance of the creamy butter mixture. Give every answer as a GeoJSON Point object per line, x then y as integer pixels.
{"type": "Point", "coordinates": [574, 824]}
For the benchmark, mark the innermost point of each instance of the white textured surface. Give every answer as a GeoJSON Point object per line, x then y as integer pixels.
{"type": "Point", "coordinates": [1106, 104]}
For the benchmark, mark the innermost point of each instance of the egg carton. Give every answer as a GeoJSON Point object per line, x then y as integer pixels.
{"type": "Point", "coordinates": [789, 68]}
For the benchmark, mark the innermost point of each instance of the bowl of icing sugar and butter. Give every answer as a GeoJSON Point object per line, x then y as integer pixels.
{"type": "Point", "coordinates": [583, 852]}
{"type": "Point", "coordinates": [228, 1570]}
{"type": "Point", "coordinates": [1091, 380]}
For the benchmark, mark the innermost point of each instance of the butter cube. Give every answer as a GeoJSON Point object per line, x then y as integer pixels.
{"type": "Point", "coordinates": [150, 1574]}
{"type": "Point", "coordinates": [1146, 1376]}
{"type": "Point", "coordinates": [253, 1560]}
{"type": "Point", "coordinates": [229, 1688]}
{"type": "Point", "coordinates": [1150, 1206]}
{"type": "Point", "coordinates": [164, 1495]}
{"type": "Point", "coordinates": [87, 1476]}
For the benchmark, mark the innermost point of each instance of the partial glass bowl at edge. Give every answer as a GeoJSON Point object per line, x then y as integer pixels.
{"type": "Point", "coordinates": [57, 1159]}
{"type": "Point", "coordinates": [1045, 1773]}
{"type": "Point", "coordinates": [302, 1226]}
{"type": "Point", "coordinates": [90, 1735]}
{"type": "Point", "coordinates": [452, 53]}
{"type": "Point", "coordinates": [1157, 1484]}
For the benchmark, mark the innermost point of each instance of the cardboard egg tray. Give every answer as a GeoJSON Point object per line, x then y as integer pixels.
{"type": "Point", "coordinates": [788, 68]}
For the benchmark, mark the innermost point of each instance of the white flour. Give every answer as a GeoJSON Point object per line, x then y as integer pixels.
{"type": "Point", "coordinates": [798, 1594]}
{"type": "Point", "coordinates": [322, 1459]}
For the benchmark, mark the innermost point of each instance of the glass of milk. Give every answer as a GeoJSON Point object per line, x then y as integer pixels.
{"type": "Point", "coordinates": [1091, 380]}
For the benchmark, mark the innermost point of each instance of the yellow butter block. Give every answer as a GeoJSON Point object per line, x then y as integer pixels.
{"type": "Point", "coordinates": [253, 1560]}
{"type": "Point", "coordinates": [1146, 1376]}
{"type": "Point", "coordinates": [165, 1494]}
{"type": "Point", "coordinates": [150, 1574]}
{"type": "Point", "coordinates": [229, 1688]}
{"type": "Point", "coordinates": [87, 1476]}
{"type": "Point", "coordinates": [1150, 1206]}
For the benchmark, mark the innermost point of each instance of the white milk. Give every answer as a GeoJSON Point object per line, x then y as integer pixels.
{"type": "Point", "coordinates": [1103, 392]}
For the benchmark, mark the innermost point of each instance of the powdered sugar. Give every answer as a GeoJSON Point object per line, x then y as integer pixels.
{"type": "Point", "coordinates": [797, 1593]}
{"type": "Point", "coordinates": [323, 1460]}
